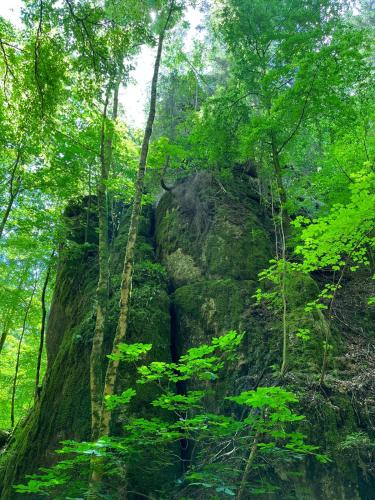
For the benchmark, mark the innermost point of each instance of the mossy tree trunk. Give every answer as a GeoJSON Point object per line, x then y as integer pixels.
{"type": "Point", "coordinates": [126, 281]}
{"type": "Point", "coordinates": [96, 382]}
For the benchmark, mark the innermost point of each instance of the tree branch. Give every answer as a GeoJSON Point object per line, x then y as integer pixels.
{"type": "Point", "coordinates": [299, 122]}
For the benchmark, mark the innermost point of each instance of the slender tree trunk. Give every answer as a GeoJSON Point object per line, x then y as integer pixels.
{"type": "Point", "coordinates": [88, 207]}
{"type": "Point", "coordinates": [6, 328]}
{"type": "Point", "coordinates": [275, 225]}
{"type": "Point", "coordinates": [14, 387]}
{"type": "Point", "coordinates": [96, 382]}
{"type": "Point", "coordinates": [4, 334]}
{"type": "Point", "coordinates": [125, 290]}
{"type": "Point", "coordinates": [327, 332]}
{"type": "Point", "coordinates": [284, 365]}
{"type": "Point", "coordinates": [8, 208]}
{"type": "Point", "coordinates": [102, 286]}
{"type": "Point", "coordinates": [326, 327]}
{"type": "Point", "coordinates": [249, 464]}
{"type": "Point", "coordinates": [42, 326]}
{"type": "Point", "coordinates": [284, 229]}
{"type": "Point", "coordinates": [13, 192]}
{"type": "Point", "coordinates": [126, 283]}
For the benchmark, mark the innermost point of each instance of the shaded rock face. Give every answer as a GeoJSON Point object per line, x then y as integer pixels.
{"type": "Point", "coordinates": [198, 256]}
{"type": "Point", "coordinates": [205, 231]}
{"type": "Point", "coordinates": [213, 241]}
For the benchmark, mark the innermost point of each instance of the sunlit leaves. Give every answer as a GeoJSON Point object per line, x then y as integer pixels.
{"type": "Point", "coordinates": [124, 398]}
{"type": "Point", "coordinates": [179, 402]}
{"type": "Point", "coordinates": [345, 234]}
{"type": "Point", "coordinates": [203, 362]}
{"type": "Point", "coordinates": [130, 352]}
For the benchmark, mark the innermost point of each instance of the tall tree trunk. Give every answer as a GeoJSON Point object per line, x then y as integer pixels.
{"type": "Point", "coordinates": [284, 230]}
{"type": "Point", "coordinates": [285, 360]}
{"type": "Point", "coordinates": [14, 387]}
{"type": "Point", "coordinates": [126, 283]}
{"type": "Point", "coordinates": [88, 213]}
{"type": "Point", "coordinates": [96, 382]}
{"type": "Point", "coordinates": [42, 326]}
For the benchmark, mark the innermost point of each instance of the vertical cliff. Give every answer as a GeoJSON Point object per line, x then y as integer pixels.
{"type": "Point", "coordinates": [198, 256]}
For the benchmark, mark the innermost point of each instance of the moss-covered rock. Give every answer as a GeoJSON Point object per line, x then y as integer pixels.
{"type": "Point", "coordinates": [215, 232]}
{"type": "Point", "coordinates": [195, 276]}
{"type": "Point", "coordinates": [210, 308]}
{"type": "Point", "coordinates": [63, 409]}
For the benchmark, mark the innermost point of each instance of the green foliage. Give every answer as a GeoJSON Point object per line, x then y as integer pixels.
{"type": "Point", "coordinates": [123, 399]}
{"type": "Point", "coordinates": [267, 415]}
{"type": "Point", "coordinates": [273, 79]}
{"type": "Point", "coordinates": [130, 352]}
{"type": "Point", "coordinates": [203, 362]}
{"type": "Point", "coordinates": [356, 440]}
{"type": "Point", "coordinates": [344, 236]}
{"type": "Point", "coordinates": [303, 334]}
{"type": "Point", "coordinates": [54, 71]}
{"type": "Point", "coordinates": [179, 402]}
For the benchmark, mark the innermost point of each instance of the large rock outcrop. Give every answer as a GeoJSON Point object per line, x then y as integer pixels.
{"type": "Point", "coordinates": [198, 256]}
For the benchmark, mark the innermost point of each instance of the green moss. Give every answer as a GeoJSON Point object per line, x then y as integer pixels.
{"type": "Point", "coordinates": [211, 241]}
{"type": "Point", "coordinates": [167, 228]}
{"type": "Point", "coordinates": [63, 411]}
{"type": "Point", "coordinates": [215, 234]}
{"type": "Point", "coordinates": [208, 308]}
{"type": "Point", "coordinates": [182, 269]}
{"type": "Point", "coordinates": [300, 289]}
{"type": "Point", "coordinates": [237, 249]}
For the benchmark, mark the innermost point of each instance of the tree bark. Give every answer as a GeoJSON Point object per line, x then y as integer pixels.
{"type": "Point", "coordinates": [8, 208]}
{"type": "Point", "coordinates": [96, 378]}
{"type": "Point", "coordinates": [126, 283]}
{"type": "Point", "coordinates": [42, 327]}
{"type": "Point", "coordinates": [249, 464]}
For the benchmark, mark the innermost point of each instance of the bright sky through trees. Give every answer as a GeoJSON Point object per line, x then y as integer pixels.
{"type": "Point", "coordinates": [133, 97]}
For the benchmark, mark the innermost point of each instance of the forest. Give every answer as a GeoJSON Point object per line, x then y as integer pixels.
{"type": "Point", "coordinates": [187, 289]}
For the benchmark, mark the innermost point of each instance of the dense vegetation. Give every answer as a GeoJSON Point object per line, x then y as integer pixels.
{"type": "Point", "coordinates": [265, 124]}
